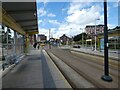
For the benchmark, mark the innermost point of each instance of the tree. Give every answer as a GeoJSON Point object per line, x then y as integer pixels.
{"type": "Point", "coordinates": [79, 37]}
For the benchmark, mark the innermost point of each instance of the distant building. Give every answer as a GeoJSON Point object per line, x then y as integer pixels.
{"type": "Point", "coordinates": [65, 39]}
{"type": "Point", "coordinates": [90, 30]}
{"type": "Point", "coordinates": [52, 39]}
{"type": "Point", "coordinates": [41, 38]}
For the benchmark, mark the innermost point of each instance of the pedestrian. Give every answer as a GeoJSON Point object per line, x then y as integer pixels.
{"type": "Point", "coordinates": [38, 46]}
{"type": "Point", "coordinates": [35, 44]}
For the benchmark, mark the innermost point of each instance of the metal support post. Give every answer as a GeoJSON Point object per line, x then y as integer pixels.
{"type": "Point", "coordinates": [49, 40]}
{"type": "Point", "coordinates": [106, 76]}
{"type": "Point", "coordinates": [95, 34]}
{"type": "Point", "coordinates": [70, 39]}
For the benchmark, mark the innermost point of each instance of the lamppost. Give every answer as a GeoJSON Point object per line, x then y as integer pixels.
{"type": "Point", "coordinates": [82, 35]}
{"type": "Point", "coordinates": [106, 76]}
{"type": "Point", "coordinates": [49, 40]}
{"type": "Point", "coordinates": [70, 38]}
{"type": "Point", "coordinates": [95, 32]}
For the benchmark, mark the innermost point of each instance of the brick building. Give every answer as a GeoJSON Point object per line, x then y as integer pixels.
{"type": "Point", "coordinates": [65, 39]}
{"type": "Point", "coordinates": [41, 38]}
{"type": "Point", "coordinates": [90, 30]}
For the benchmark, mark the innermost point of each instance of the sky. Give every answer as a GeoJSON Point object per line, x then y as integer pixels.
{"type": "Point", "coordinates": [70, 18]}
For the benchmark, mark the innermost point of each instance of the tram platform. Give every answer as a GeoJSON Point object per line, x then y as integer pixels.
{"type": "Point", "coordinates": [36, 70]}
{"type": "Point", "coordinates": [113, 54]}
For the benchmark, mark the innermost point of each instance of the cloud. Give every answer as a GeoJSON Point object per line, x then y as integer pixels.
{"type": "Point", "coordinates": [51, 15]}
{"type": "Point", "coordinates": [40, 21]}
{"type": "Point", "coordinates": [54, 22]}
{"type": "Point", "coordinates": [69, 29]}
{"type": "Point", "coordinates": [84, 16]}
{"type": "Point", "coordinates": [78, 16]}
{"type": "Point", "coordinates": [46, 32]}
{"type": "Point", "coordinates": [63, 9]}
{"type": "Point", "coordinates": [46, 1]}
{"type": "Point", "coordinates": [41, 12]}
{"type": "Point", "coordinates": [73, 7]}
{"type": "Point", "coordinates": [77, 6]}
{"type": "Point", "coordinates": [111, 26]}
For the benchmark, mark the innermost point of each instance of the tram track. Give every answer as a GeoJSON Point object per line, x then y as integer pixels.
{"type": "Point", "coordinates": [99, 65]}
{"type": "Point", "coordinates": [93, 63]}
{"type": "Point", "coordinates": [96, 61]}
{"type": "Point", "coordinates": [94, 66]}
{"type": "Point", "coordinates": [73, 85]}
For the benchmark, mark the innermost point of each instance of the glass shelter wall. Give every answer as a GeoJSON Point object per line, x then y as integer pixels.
{"type": "Point", "coordinates": [0, 42]}
{"type": "Point", "coordinates": [19, 43]}
{"type": "Point", "coordinates": [114, 42]}
{"type": "Point", "coordinates": [4, 41]}
{"type": "Point", "coordinates": [12, 45]}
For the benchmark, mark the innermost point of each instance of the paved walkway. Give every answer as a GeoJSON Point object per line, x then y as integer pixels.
{"type": "Point", "coordinates": [112, 54]}
{"type": "Point", "coordinates": [36, 70]}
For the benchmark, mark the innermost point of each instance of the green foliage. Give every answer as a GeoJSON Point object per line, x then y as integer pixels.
{"type": "Point", "coordinates": [63, 43]}
{"type": "Point", "coordinates": [79, 37]}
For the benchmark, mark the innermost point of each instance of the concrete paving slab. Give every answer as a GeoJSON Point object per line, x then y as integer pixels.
{"type": "Point", "coordinates": [36, 71]}
{"type": "Point", "coordinates": [25, 75]}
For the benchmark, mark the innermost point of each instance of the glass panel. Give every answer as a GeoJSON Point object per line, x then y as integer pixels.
{"type": "Point", "coordinates": [19, 43]}
{"type": "Point", "coordinates": [0, 34]}
{"type": "Point", "coordinates": [4, 35]}
{"type": "Point", "coordinates": [0, 42]}
{"type": "Point", "coordinates": [4, 41]}
{"type": "Point", "coordinates": [10, 42]}
{"type": "Point", "coordinates": [10, 36]}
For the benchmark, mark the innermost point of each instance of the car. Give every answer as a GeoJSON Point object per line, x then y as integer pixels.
{"type": "Point", "coordinates": [76, 46]}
